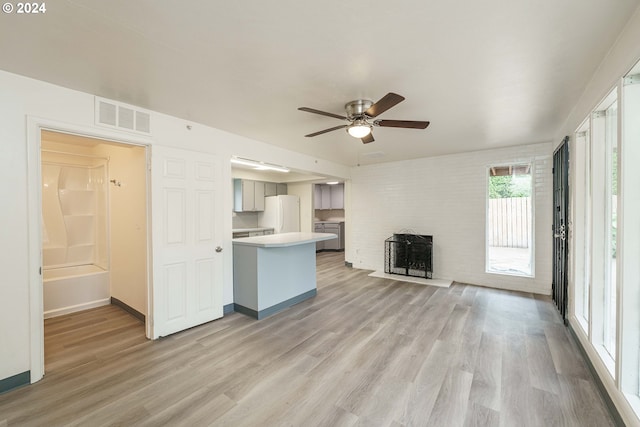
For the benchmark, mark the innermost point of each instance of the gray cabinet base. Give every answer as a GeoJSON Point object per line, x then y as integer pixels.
{"type": "Point", "coordinates": [274, 308]}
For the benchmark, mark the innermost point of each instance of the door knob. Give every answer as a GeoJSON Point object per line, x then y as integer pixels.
{"type": "Point", "coordinates": [218, 249]}
{"type": "Point", "coordinates": [562, 235]}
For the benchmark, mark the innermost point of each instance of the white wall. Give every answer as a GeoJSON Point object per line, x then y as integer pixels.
{"type": "Point", "coordinates": [22, 98]}
{"type": "Point", "coordinates": [622, 56]}
{"type": "Point", "coordinates": [128, 224]}
{"type": "Point", "coordinates": [446, 197]}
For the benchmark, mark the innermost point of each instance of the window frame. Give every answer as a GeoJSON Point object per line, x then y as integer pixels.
{"type": "Point", "coordinates": [582, 221]}
{"type": "Point", "coordinates": [530, 163]}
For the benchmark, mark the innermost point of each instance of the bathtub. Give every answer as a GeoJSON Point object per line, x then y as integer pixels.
{"type": "Point", "coordinates": [71, 289]}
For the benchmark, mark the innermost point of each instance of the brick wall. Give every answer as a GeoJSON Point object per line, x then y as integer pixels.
{"type": "Point", "coordinates": [446, 197]}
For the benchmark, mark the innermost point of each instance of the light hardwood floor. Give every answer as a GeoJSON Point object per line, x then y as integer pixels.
{"type": "Point", "coordinates": [365, 352]}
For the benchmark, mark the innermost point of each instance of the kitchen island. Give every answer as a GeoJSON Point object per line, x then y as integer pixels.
{"type": "Point", "coordinates": [273, 272]}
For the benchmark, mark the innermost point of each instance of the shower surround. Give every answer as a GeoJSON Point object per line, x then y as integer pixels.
{"type": "Point", "coordinates": [74, 232]}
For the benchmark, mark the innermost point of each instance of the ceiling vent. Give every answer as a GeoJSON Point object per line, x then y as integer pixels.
{"type": "Point", "coordinates": [122, 116]}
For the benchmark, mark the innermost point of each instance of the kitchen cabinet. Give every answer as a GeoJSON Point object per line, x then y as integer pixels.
{"type": "Point", "coordinates": [319, 228]}
{"type": "Point", "coordinates": [271, 273]}
{"type": "Point", "coordinates": [270, 189]}
{"type": "Point", "coordinates": [317, 196]}
{"type": "Point", "coordinates": [327, 196]}
{"type": "Point", "coordinates": [274, 189]}
{"type": "Point", "coordinates": [258, 196]}
{"type": "Point", "coordinates": [248, 195]}
{"type": "Point", "coordinates": [337, 196]}
{"type": "Point", "coordinates": [251, 232]}
{"type": "Point", "coordinates": [336, 228]}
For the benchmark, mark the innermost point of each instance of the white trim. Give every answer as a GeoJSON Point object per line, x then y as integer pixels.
{"type": "Point", "coordinates": [78, 307]}
{"type": "Point", "coordinates": [629, 245]}
{"type": "Point", "coordinates": [532, 250]}
{"type": "Point", "coordinates": [618, 398]}
{"type": "Point", "coordinates": [619, 234]}
{"type": "Point", "coordinates": [36, 315]}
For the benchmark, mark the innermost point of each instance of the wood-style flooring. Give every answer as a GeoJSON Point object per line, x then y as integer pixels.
{"type": "Point", "coordinates": [364, 352]}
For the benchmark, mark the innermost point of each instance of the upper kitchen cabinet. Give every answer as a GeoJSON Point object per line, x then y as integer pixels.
{"type": "Point", "coordinates": [274, 189]}
{"type": "Point", "coordinates": [329, 196]}
{"type": "Point", "coordinates": [248, 195]}
{"type": "Point", "coordinates": [270, 189]}
{"type": "Point", "coordinates": [281, 189]}
{"type": "Point", "coordinates": [337, 196]}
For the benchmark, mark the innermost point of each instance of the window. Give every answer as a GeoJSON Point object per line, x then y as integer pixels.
{"type": "Point", "coordinates": [604, 219]}
{"type": "Point", "coordinates": [582, 221]}
{"type": "Point", "coordinates": [509, 220]}
{"type": "Point", "coordinates": [606, 235]}
{"type": "Point", "coordinates": [628, 228]}
{"type": "Point", "coordinates": [610, 291]}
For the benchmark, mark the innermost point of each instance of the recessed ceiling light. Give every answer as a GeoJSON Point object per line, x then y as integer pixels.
{"type": "Point", "coordinates": [333, 182]}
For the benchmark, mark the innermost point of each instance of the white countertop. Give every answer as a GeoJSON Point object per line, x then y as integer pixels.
{"type": "Point", "coordinates": [283, 239]}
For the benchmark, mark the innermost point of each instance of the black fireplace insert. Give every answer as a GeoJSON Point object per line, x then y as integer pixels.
{"type": "Point", "coordinates": [409, 255]}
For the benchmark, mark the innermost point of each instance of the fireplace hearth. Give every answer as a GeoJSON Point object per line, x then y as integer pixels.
{"type": "Point", "coordinates": [409, 255]}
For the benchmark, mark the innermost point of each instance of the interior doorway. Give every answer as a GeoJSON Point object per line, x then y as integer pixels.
{"type": "Point", "coordinates": [94, 240]}
{"type": "Point", "coordinates": [329, 217]}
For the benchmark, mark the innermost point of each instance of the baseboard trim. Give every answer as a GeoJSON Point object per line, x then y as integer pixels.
{"type": "Point", "coordinates": [74, 308]}
{"type": "Point", "coordinates": [615, 414]}
{"type": "Point", "coordinates": [228, 309]}
{"type": "Point", "coordinates": [132, 311]}
{"type": "Point", "coordinates": [15, 381]}
{"type": "Point", "coordinates": [274, 308]}
{"type": "Point", "coordinates": [245, 310]}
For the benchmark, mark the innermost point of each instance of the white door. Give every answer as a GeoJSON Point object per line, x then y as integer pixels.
{"type": "Point", "coordinates": [187, 224]}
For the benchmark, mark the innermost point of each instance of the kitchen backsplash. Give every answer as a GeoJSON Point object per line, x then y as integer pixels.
{"type": "Point", "coordinates": [244, 220]}
{"type": "Point", "coordinates": [329, 215]}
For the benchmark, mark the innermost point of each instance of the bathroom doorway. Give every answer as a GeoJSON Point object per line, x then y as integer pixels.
{"type": "Point", "coordinates": [94, 209]}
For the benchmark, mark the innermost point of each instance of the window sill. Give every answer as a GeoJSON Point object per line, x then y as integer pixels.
{"type": "Point", "coordinates": [584, 324]}
{"type": "Point", "coordinates": [634, 402]}
{"type": "Point", "coordinates": [510, 273]}
{"type": "Point", "coordinates": [607, 360]}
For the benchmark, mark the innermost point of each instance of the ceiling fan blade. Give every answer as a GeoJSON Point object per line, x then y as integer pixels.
{"type": "Point", "coordinates": [323, 113]}
{"type": "Point", "coordinates": [326, 130]}
{"type": "Point", "coordinates": [367, 139]}
{"type": "Point", "coordinates": [401, 124]}
{"type": "Point", "coordinates": [389, 100]}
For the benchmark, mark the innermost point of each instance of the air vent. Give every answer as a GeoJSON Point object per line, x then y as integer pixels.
{"type": "Point", "coordinates": [107, 113]}
{"type": "Point", "coordinates": [122, 116]}
{"type": "Point", "coordinates": [125, 118]}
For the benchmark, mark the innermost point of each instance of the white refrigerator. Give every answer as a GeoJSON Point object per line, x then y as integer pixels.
{"type": "Point", "coordinates": [282, 213]}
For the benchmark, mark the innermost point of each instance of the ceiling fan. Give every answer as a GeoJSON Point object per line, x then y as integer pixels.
{"type": "Point", "coordinates": [360, 114]}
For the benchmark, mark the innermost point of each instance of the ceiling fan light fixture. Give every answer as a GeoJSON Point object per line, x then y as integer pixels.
{"type": "Point", "coordinates": [361, 117]}
{"type": "Point", "coordinates": [359, 130]}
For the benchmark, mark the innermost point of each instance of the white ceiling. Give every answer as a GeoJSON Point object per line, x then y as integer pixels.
{"type": "Point", "coordinates": [486, 74]}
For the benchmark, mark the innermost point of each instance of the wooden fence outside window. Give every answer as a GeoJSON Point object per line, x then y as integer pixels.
{"type": "Point", "coordinates": [509, 222]}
